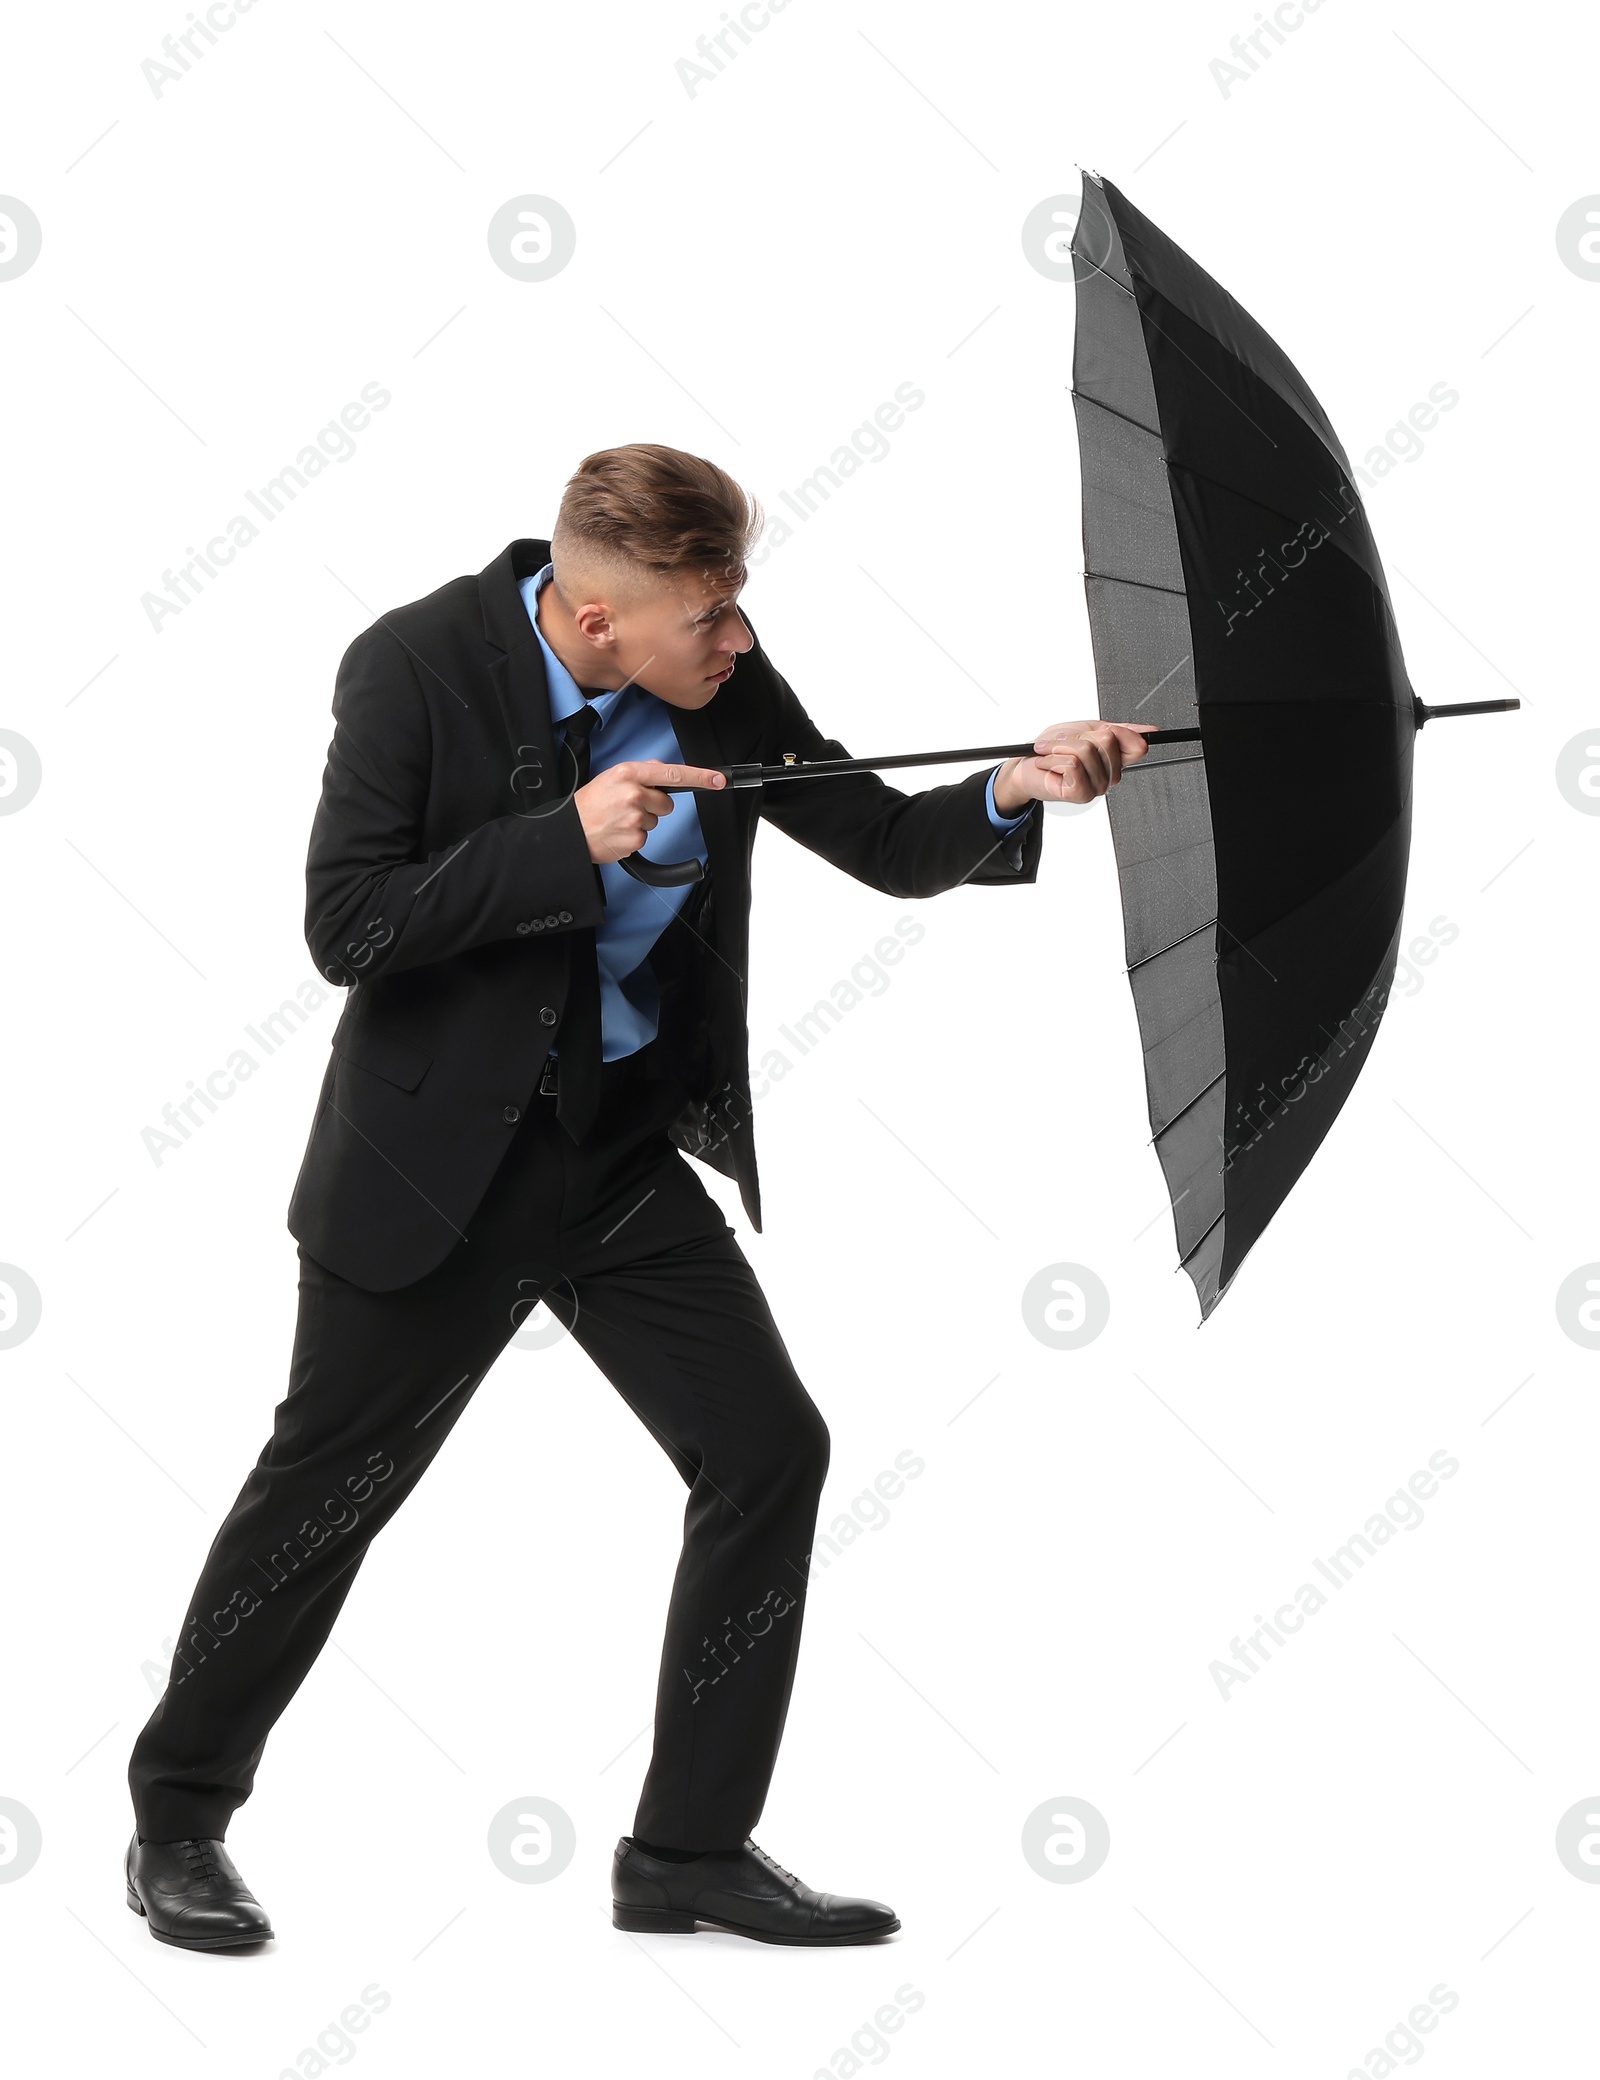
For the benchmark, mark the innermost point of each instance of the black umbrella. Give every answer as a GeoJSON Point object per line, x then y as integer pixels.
{"type": "Point", "coordinates": [1238, 606]}
{"type": "Point", "coordinates": [1235, 592]}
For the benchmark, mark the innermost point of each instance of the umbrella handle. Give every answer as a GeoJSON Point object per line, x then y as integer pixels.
{"type": "Point", "coordinates": [662, 873]}
{"type": "Point", "coordinates": [683, 873]}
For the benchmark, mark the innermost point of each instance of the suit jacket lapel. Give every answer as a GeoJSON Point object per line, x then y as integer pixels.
{"type": "Point", "coordinates": [517, 675]}
{"type": "Point", "coordinates": [701, 744]}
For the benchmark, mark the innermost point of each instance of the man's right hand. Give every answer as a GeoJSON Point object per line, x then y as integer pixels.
{"type": "Point", "coordinates": [622, 805]}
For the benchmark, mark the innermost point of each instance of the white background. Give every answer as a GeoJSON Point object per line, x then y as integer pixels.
{"type": "Point", "coordinates": [758, 266]}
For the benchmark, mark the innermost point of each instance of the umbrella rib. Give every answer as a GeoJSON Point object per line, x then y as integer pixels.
{"type": "Point", "coordinates": [1189, 1252]}
{"type": "Point", "coordinates": [1111, 278]}
{"type": "Point", "coordinates": [1380, 584]}
{"type": "Point", "coordinates": [1107, 578]}
{"type": "Point", "coordinates": [1202, 476]}
{"type": "Point", "coordinates": [1228, 928]}
{"type": "Point", "coordinates": [1237, 361]}
{"type": "Point", "coordinates": [1244, 947]}
{"type": "Point", "coordinates": [1127, 418]}
{"type": "Point", "coordinates": [1189, 1107]}
{"type": "Point", "coordinates": [1145, 958]}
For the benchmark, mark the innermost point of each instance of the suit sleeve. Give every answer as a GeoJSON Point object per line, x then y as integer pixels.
{"type": "Point", "coordinates": [376, 900]}
{"type": "Point", "coordinates": [904, 844]}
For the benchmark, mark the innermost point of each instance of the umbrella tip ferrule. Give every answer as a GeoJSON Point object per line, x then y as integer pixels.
{"type": "Point", "coordinates": [1422, 713]}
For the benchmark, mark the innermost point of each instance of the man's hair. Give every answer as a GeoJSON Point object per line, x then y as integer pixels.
{"type": "Point", "coordinates": [634, 515]}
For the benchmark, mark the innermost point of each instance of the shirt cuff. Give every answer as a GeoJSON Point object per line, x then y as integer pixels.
{"type": "Point", "coordinates": [1002, 823]}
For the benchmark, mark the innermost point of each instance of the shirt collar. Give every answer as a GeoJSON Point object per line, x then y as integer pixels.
{"type": "Point", "coordinates": [566, 695]}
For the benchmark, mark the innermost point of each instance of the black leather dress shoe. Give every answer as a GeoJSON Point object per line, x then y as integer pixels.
{"type": "Point", "coordinates": [193, 1896]}
{"type": "Point", "coordinates": [740, 1890]}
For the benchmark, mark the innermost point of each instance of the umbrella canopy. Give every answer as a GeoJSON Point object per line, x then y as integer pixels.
{"type": "Point", "coordinates": [1234, 590]}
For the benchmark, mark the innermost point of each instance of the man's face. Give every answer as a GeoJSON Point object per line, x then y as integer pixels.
{"type": "Point", "coordinates": [680, 641]}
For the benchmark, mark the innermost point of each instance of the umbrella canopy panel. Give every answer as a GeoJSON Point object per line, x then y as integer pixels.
{"type": "Point", "coordinates": [1233, 584]}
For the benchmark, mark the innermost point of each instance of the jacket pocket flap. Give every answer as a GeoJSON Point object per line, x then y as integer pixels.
{"type": "Point", "coordinates": [393, 1060]}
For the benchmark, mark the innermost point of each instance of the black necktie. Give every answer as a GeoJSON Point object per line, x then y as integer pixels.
{"type": "Point", "coordinates": [578, 1072]}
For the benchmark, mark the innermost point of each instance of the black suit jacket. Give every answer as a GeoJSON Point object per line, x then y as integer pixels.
{"type": "Point", "coordinates": [448, 871]}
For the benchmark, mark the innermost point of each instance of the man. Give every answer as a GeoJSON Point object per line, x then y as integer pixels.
{"type": "Point", "coordinates": [532, 1042]}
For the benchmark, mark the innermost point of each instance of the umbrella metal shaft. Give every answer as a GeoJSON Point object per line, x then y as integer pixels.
{"type": "Point", "coordinates": [792, 768]}
{"type": "Point", "coordinates": [679, 873]}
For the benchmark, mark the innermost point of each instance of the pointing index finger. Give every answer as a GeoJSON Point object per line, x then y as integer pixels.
{"type": "Point", "coordinates": [655, 772]}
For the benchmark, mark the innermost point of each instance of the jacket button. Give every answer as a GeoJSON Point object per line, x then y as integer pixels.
{"type": "Point", "coordinates": [512, 1115]}
{"type": "Point", "coordinates": [552, 919]}
{"type": "Point", "coordinates": [537, 925]}
{"type": "Point", "coordinates": [566, 917]}
{"type": "Point", "coordinates": [524, 927]}
{"type": "Point", "coordinates": [546, 1016]}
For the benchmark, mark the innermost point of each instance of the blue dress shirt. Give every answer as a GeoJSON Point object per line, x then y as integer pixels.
{"type": "Point", "coordinates": [635, 724]}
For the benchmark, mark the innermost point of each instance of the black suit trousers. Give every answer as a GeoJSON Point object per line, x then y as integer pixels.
{"type": "Point", "coordinates": [627, 1248]}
